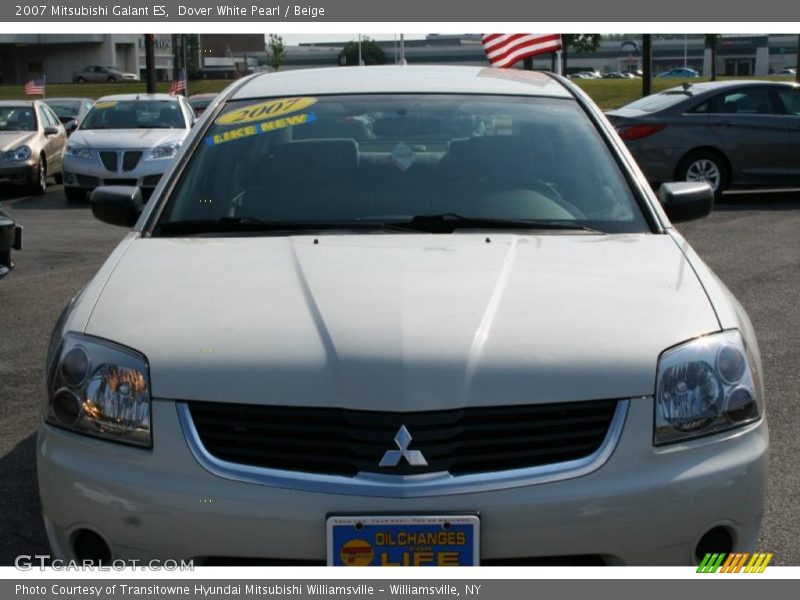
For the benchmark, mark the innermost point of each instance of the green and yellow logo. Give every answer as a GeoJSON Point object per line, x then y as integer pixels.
{"type": "Point", "coordinates": [735, 562]}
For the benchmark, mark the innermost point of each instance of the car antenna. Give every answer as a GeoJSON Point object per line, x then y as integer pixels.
{"type": "Point", "coordinates": [686, 86]}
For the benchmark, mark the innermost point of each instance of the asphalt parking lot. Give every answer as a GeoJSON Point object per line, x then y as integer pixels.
{"type": "Point", "coordinates": [751, 241]}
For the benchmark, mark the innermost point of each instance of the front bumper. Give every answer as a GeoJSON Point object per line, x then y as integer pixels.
{"type": "Point", "coordinates": [18, 173]}
{"type": "Point", "coordinates": [643, 506]}
{"type": "Point", "coordinates": [90, 173]}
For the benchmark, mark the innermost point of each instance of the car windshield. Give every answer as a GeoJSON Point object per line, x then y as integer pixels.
{"type": "Point", "coordinates": [135, 114]}
{"type": "Point", "coordinates": [658, 102]}
{"type": "Point", "coordinates": [423, 161]}
{"type": "Point", "coordinates": [200, 103]}
{"type": "Point", "coordinates": [65, 108]}
{"type": "Point", "coordinates": [17, 118]}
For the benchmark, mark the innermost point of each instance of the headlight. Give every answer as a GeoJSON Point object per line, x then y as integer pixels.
{"type": "Point", "coordinates": [77, 151]}
{"type": "Point", "coordinates": [18, 154]}
{"type": "Point", "coordinates": [165, 151]}
{"type": "Point", "coordinates": [100, 389]}
{"type": "Point", "coordinates": [705, 386]}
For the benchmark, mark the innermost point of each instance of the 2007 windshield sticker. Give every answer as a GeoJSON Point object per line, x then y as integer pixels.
{"type": "Point", "coordinates": [105, 104]}
{"type": "Point", "coordinates": [266, 110]}
{"type": "Point", "coordinates": [258, 128]}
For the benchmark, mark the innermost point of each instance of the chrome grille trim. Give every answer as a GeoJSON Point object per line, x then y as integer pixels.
{"type": "Point", "coordinates": [403, 486]}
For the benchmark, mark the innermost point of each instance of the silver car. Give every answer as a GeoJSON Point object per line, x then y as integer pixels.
{"type": "Point", "coordinates": [126, 139]}
{"type": "Point", "coordinates": [729, 134]}
{"type": "Point", "coordinates": [106, 73]}
{"type": "Point", "coordinates": [403, 316]}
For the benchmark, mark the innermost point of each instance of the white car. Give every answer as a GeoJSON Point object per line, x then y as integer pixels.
{"type": "Point", "coordinates": [403, 315]}
{"type": "Point", "coordinates": [125, 139]}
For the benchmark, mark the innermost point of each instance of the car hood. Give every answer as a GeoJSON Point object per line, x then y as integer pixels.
{"type": "Point", "coordinates": [403, 322]}
{"type": "Point", "coordinates": [127, 138]}
{"type": "Point", "coordinates": [9, 140]}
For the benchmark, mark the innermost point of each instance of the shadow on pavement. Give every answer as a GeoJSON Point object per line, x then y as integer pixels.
{"type": "Point", "coordinates": [54, 199]}
{"type": "Point", "coordinates": [759, 201]}
{"type": "Point", "coordinates": [21, 528]}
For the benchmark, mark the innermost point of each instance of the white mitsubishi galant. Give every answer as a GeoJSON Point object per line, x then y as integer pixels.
{"type": "Point", "coordinates": [401, 315]}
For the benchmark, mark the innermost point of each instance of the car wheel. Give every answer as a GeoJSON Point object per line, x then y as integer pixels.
{"type": "Point", "coordinates": [111, 79]}
{"type": "Point", "coordinates": [40, 185]}
{"type": "Point", "coordinates": [81, 80]}
{"type": "Point", "coordinates": [705, 166]}
{"type": "Point", "coordinates": [74, 195]}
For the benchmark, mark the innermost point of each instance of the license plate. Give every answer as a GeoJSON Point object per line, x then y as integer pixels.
{"type": "Point", "coordinates": [408, 541]}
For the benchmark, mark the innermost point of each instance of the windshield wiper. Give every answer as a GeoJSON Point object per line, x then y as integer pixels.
{"type": "Point", "coordinates": [252, 225]}
{"type": "Point", "coordinates": [449, 222]}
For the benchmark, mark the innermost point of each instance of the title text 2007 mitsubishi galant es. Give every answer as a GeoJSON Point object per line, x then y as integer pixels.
{"type": "Point", "coordinates": [403, 316]}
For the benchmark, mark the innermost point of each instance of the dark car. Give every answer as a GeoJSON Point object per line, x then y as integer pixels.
{"type": "Point", "coordinates": [200, 102]}
{"type": "Point", "coordinates": [10, 239]}
{"type": "Point", "coordinates": [683, 72]}
{"type": "Point", "coordinates": [730, 134]}
{"type": "Point", "coordinates": [70, 111]}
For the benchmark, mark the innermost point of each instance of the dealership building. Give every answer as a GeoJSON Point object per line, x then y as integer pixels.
{"type": "Point", "coordinates": [737, 55]}
{"type": "Point", "coordinates": [58, 56]}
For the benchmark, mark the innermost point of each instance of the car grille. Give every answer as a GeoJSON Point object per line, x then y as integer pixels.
{"type": "Point", "coordinates": [120, 181]}
{"type": "Point", "coordinates": [109, 160]}
{"type": "Point", "coordinates": [130, 160]}
{"type": "Point", "coordinates": [347, 442]}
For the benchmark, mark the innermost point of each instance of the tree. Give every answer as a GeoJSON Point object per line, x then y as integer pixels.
{"type": "Point", "coordinates": [371, 53]}
{"type": "Point", "coordinates": [276, 51]}
{"type": "Point", "coordinates": [711, 42]}
{"type": "Point", "coordinates": [580, 42]}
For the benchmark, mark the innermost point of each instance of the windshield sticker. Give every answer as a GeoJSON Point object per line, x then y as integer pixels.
{"type": "Point", "coordinates": [259, 128]}
{"type": "Point", "coordinates": [105, 104]}
{"type": "Point", "coordinates": [265, 110]}
{"type": "Point", "coordinates": [403, 156]}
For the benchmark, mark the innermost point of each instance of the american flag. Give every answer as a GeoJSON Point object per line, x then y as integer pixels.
{"type": "Point", "coordinates": [178, 83]}
{"type": "Point", "coordinates": [505, 49]}
{"type": "Point", "coordinates": [35, 87]}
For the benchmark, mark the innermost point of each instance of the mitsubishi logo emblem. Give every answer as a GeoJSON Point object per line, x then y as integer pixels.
{"type": "Point", "coordinates": [392, 457]}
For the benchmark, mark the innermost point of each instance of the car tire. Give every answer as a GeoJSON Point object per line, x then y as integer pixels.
{"type": "Point", "coordinates": [111, 79]}
{"type": "Point", "coordinates": [74, 195]}
{"type": "Point", "coordinates": [39, 187]}
{"type": "Point", "coordinates": [81, 80]}
{"type": "Point", "coordinates": [707, 166]}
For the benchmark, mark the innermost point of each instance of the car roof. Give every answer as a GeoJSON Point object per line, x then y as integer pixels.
{"type": "Point", "coordinates": [66, 99]}
{"type": "Point", "coordinates": [402, 79]}
{"type": "Point", "coordinates": [18, 102]}
{"type": "Point", "coordinates": [123, 97]}
{"type": "Point", "coordinates": [711, 86]}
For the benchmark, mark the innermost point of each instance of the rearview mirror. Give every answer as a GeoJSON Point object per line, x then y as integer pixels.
{"type": "Point", "coordinates": [686, 200]}
{"type": "Point", "coordinates": [117, 204]}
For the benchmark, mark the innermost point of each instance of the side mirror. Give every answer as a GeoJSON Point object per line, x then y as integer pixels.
{"type": "Point", "coordinates": [686, 200]}
{"type": "Point", "coordinates": [48, 131]}
{"type": "Point", "coordinates": [71, 125]}
{"type": "Point", "coordinates": [117, 204]}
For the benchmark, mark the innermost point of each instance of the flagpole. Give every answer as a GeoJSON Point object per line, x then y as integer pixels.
{"type": "Point", "coordinates": [44, 86]}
